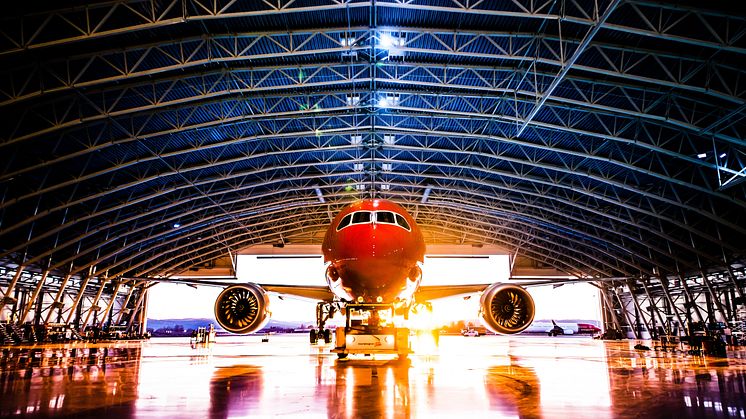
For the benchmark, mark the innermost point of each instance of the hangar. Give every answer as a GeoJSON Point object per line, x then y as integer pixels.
{"type": "Point", "coordinates": [597, 140]}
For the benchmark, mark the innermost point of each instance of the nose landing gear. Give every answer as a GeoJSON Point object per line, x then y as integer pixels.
{"type": "Point", "coordinates": [316, 335]}
{"type": "Point", "coordinates": [367, 333]}
{"type": "Point", "coordinates": [324, 312]}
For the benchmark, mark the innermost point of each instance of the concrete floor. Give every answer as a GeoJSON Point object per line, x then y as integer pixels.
{"type": "Point", "coordinates": [489, 376]}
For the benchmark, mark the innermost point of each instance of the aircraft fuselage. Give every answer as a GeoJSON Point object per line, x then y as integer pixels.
{"type": "Point", "coordinates": [373, 247]}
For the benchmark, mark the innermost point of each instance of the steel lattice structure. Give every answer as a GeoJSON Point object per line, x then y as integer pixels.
{"type": "Point", "coordinates": [602, 138]}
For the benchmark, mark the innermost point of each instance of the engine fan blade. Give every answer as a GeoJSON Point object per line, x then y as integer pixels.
{"type": "Point", "coordinates": [242, 308]}
{"type": "Point", "coordinates": [506, 308]}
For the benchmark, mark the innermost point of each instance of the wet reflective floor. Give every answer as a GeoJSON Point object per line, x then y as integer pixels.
{"type": "Point", "coordinates": [489, 376]}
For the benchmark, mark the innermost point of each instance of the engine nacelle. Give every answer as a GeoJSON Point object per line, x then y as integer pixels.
{"type": "Point", "coordinates": [506, 308]}
{"type": "Point", "coordinates": [242, 308]}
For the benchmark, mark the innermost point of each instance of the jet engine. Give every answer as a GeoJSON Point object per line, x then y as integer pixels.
{"type": "Point", "coordinates": [242, 308]}
{"type": "Point", "coordinates": [506, 308]}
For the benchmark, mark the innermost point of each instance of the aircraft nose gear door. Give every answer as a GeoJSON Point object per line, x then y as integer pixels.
{"type": "Point", "coordinates": [324, 312]}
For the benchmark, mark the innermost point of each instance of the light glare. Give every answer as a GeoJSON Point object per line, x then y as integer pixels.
{"type": "Point", "coordinates": [386, 40]}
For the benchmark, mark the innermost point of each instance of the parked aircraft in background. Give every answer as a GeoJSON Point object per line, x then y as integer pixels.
{"type": "Point", "coordinates": [553, 328]}
{"type": "Point", "coordinates": [472, 330]}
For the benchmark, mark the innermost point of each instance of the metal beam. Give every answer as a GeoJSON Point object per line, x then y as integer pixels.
{"type": "Point", "coordinates": [566, 66]}
{"type": "Point", "coordinates": [58, 298]}
{"type": "Point", "coordinates": [32, 299]}
{"type": "Point", "coordinates": [6, 296]}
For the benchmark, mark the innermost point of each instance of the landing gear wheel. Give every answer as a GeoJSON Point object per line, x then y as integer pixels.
{"type": "Point", "coordinates": [313, 337]}
{"type": "Point", "coordinates": [327, 336]}
{"type": "Point", "coordinates": [340, 355]}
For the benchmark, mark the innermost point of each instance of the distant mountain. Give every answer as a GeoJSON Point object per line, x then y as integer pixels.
{"type": "Point", "coordinates": [193, 323]}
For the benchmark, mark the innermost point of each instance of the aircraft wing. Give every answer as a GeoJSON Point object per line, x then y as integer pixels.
{"type": "Point", "coordinates": [206, 281]}
{"type": "Point", "coordinates": [314, 292]}
{"type": "Point", "coordinates": [434, 292]}
{"type": "Point", "coordinates": [424, 292]}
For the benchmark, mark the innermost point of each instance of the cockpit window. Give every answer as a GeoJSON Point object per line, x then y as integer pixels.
{"type": "Point", "coordinates": [366, 217]}
{"type": "Point", "coordinates": [345, 222]}
{"type": "Point", "coordinates": [385, 217]}
{"type": "Point", "coordinates": [402, 222]}
{"type": "Point", "coordinates": [360, 217]}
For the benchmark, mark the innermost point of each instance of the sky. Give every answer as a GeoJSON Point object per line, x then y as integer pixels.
{"type": "Point", "coordinates": [174, 301]}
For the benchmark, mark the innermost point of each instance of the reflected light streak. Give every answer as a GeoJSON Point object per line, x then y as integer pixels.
{"type": "Point", "coordinates": [568, 383]}
{"type": "Point", "coordinates": [390, 391]}
{"type": "Point", "coordinates": [349, 393]}
{"type": "Point", "coordinates": [175, 389]}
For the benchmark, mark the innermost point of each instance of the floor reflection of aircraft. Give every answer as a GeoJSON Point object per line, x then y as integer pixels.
{"type": "Point", "coordinates": [236, 391]}
{"type": "Point", "coordinates": [513, 391]}
{"type": "Point", "coordinates": [553, 328]}
{"type": "Point", "coordinates": [373, 250]}
{"type": "Point", "coordinates": [372, 389]}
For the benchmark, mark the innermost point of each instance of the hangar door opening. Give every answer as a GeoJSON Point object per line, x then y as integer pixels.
{"type": "Point", "coordinates": [304, 265]}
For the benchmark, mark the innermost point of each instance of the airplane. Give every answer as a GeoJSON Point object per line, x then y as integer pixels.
{"type": "Point", "coordinates": [562, 328]}
{"type": "Point", "coordinates": [373, 249]}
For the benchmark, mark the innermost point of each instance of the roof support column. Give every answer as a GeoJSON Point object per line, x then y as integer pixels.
{"type": "Point", "coordinates": [58, 298]}
{"type": "Point", "coordinates": [123, 309]}
{"type": "Point", "coordinates": [32, 299]}
{"type": "Point", "coordinates": [81, 291]}
{"type": "Point", "coordinates": [112, 300]}
{"type": "Point", "coordinates": [667, 293]}
{"type": "Point", "coordinates": [610, 308]}
{"type": "Point", "coordinates": [7, 299]}
{"type": "Point", "coordinates": [692, 300]}
{"type": "Point", "coordinates": [653, 305]}
{"type": "Point", "coordinates": [733, 280]}
{"type": "Point", "coordinates": [140, 309]}
{"type": "Point", "coordinates": [626, 313]}
{"type": "Point", "coordinates": [631, 287]}
{"type": "Point", "coordinates": [94, 307]}
{"type": "Point", "coordinates": [715, 298]}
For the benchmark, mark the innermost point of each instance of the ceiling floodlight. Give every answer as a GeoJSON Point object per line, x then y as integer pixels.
{"type": "Point", "coordinates": [347, 41]}
{"type": "Point", "coordinates": [702, 155]}
{"type": "Point", "coordinates": [722, 156]}
{"type": "Point", "coordinates": [356, 139]}
{"type": "Point", "coordinates": [386, 40]}
{"type": "Point", "coordinates": [388, 101]}
{"type": "Point", "coordinates": [177, 225]}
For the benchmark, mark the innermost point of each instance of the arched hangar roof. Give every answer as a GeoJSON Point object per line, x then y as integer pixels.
{"type": "Point", "coordinates": [604, 138]}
